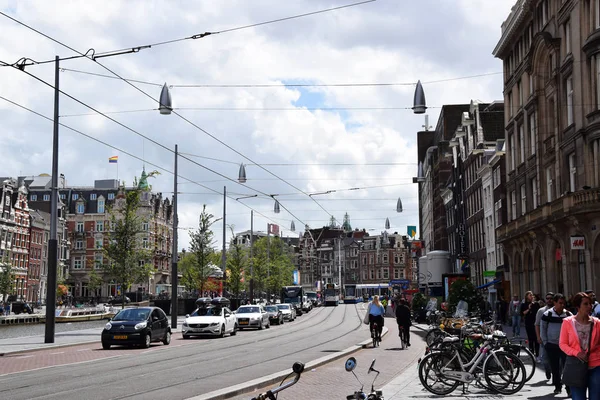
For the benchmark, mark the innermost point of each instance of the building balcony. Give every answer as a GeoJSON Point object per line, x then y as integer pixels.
{"type": "Point", "coordinates": [582, 201]}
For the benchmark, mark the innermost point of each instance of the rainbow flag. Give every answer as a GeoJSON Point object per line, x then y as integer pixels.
{"type": "Point", "coordinates": [113, 159]}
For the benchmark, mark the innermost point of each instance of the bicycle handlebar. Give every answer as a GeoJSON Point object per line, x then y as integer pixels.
{"type": "Point", "coordinates": [297, 369]}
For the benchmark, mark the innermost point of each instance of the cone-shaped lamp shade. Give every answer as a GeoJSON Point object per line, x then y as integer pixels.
{"type": "Point", "coordinates": [387, 223]}
{"type": "Point", "coordinates": [293, 227]}
{"type": "Point", "coordinates": [399, 205]}
{"type": "Point", "coordinates": [419, 105]}
{"type": "Point", "coordinates": [166, 106]}
{"type": "Point", "coordinates": [242, 175]}
{"type": "Point", "coordinates": [276, 207]}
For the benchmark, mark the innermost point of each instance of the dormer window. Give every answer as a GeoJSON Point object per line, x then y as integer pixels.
{"type": "Point", "coordinates": [111, 196]}
{"type": "Point", "coordinates": [101, 205]}
{"type": "Point", "coordinates": [93, 196]}
{"type": "Point", "coordinates": [80, 208]}
{"type": "Point", "coordinates": [75, 196]}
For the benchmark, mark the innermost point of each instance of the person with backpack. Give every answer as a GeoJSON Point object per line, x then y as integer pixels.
{"type": "Point", "coordinates": [550, 329]}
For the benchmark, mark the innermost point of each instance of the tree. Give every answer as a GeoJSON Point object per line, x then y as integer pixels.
{"type": "Point", "coordinates": [273, 265]}
{"type": "Point", "coordinates": [200, 267]}
{"type": "Point", "coordinates": [236, 261]}
{"type": "Point", "coordinates": [7, 279]}
{"type": "Point", "coordinates": [463, 289]}
{"type": "Point", "coordinates": [95, 281]}
{"type": "Point", "coordinates": [128, 261]}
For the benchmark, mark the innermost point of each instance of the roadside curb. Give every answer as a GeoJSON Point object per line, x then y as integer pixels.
{"type": "Point", "coordinates": [258, 383]}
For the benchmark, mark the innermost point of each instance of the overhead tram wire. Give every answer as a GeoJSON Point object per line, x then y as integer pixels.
{"type": "Point", "coordinates": [143, 160]}
{"type": "Point", "coordinates": [91, 53]}
{"type": "Point", "coordinates": [179, 115]}
{"type": "Point", "coordinates": [150, 139]}
{"type": "Point", "coordinates": [271, 85]}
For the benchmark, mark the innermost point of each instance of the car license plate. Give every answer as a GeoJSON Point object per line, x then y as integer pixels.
{"type": "Point", "coordinates": [117, 337]}
{"type": "Point", "coordinates": [243, 322]}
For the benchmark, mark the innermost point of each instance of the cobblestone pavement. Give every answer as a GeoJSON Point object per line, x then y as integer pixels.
{"type": "Point", "coordinates": [331, 381]}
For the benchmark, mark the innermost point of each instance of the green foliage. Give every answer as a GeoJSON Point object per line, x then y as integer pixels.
{"type": "Point", "coordinates": [7, 278]}
{"type": "Point", "coordinates": [418, 301]}
{"type": "Point", "coordinates": [128, 261]}
{"type": "Point", "coordinates": [273, 265]}
{"type": "Point", "coordinates": [196, 265]}
{"type": "Point", "coordinates": [95, 281]}
{"type": "Point", "coordinates": [236, 261]}
{"type": "Point", "coordinates": [463, 289]}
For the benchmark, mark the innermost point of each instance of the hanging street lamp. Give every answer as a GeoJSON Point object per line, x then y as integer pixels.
{"type": "Point", "coordinates": [293, 227]}
{"type": "Point", "coordinates": [165, 104]}
{"type": "Point", "coordinates": [276, 207]}
{"type": "Point", "coordinates": [419, 105]}
{"type": "Point", "coordinates": [242, 174]}
{"type": "Point", "coordinates": [387, 223]}
{"type": "Point", "coordinates": [399, 205]}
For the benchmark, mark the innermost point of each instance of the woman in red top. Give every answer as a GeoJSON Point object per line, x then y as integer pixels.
{"type": "Point", "coordinates": [574, 339]}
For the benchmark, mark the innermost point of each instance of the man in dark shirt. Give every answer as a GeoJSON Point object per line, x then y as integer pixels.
{"type": "Point", "coordinates": [403, 318]}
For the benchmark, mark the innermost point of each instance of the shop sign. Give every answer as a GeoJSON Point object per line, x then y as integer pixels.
{"type": "Point", "coordinates": [577, 243]}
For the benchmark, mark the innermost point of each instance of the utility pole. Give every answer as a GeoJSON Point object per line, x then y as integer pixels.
{"type": "Point", "coordinates": [251, 256]}
{"type": "Point", "coordinates": [174, 254]}
{"type": "Point", "coordinates": [223, 253]}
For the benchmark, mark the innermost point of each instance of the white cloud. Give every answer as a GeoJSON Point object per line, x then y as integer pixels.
{"type": "Point", "coordinates": [385, 41]}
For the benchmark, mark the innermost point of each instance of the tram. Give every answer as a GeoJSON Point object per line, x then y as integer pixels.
{"type": "Point", "coordinates": [332, 294]}
{"type": "Point", "coordinates": [356, 293]}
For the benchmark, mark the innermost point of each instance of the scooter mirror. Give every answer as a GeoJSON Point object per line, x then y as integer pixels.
{"type": "Point", "coordinates": [350, 364]}
{"type": "Point", "coordinates": [371, 367]}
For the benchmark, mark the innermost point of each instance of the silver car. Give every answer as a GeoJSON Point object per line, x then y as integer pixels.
{"type": "Point", "coordinates": [252, 316]}
{"type": "Point", "coordinates": [288, 311]}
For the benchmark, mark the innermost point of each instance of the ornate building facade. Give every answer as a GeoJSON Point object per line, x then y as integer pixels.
{"type": "Point", "coordinates": [551, 55]}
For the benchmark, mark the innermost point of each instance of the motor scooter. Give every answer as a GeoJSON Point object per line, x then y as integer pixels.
{"type": "Point", "coordinates": [360, 394]}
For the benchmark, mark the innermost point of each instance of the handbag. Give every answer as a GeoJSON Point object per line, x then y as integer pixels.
{"type": "Point", "coordinates": [366, 318]}
{"type": "Point", "coordinates": [575, 371]}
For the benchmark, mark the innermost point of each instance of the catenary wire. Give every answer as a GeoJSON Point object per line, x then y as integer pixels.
{"type": "Point", "coordinates": [22, 63]}
{"type": "Point", "coordinates": [213, 191]}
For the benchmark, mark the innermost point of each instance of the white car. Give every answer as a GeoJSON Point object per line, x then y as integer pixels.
{"type": "Point", "coordinates": [288, 311]}
{"type": "Point", "coordinates": [212, 320]}
{"type": "Point", "coordinates": [252, 317]}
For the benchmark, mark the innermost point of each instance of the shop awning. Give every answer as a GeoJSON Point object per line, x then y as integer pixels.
{"type": "Point", "coordinates": [489, 284]}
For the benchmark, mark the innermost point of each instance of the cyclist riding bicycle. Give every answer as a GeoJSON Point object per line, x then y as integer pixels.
{"type": "Point", "coordinates": [376, 313]}
{"type": "Point", "coordinates": [403, 318]}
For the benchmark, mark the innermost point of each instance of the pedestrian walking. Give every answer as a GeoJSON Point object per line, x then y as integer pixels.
{"type": "Point", "coordinates": [529, 310]}
{"type": "Point", "coordinates": [580, 341]}
{"type": "Point", "coordinates": [543, 358]}
{"type": "Point", "coordinates": [595, 306]}
{"type": "Point", "coordinates": [550, 328]}
{"type": "Point", "coordinates": [515, 314]}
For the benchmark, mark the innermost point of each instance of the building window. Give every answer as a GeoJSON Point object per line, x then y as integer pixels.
{"type": "Point", "coordinates": [63, 196]}
{"type": "Point", "coordinates": [98, 243]}
{"type": "Point", "coordinates": [77, 263]}
{"type": "Point", "coordinates": [145, 243]}
{"type": "Point", "coordinates": [79, 227]}
{"type": "Point", "coordinates": [567, 37]}
{"type": "Point", "coordinates": [530, 85]}
{"type": "Point", "coordinates": [512, 152]}
{"type": "Point", "coordinates": [79, 245]}
{"type": "Point", "coordinates": [33, 197]}
{"type": "Point", "coordinates": [111, 196]}
{"type": "Point", "coordinates": [520, 93]}
{"type": "Point", "coordinates": [75, 196]}
{"type": "Point", "coordinates": [145, 226]}
{"type": "Point", "coordinates": [534, 193]}
{"type": "Point", "coordinates": [597, 14]}
{"type": "Point", "coordinates": [99, 226]}
{"type": "Point", "coordinates": [396, 273]}
{"type": "Point", "coordinates": [101, 206]}
{"type": "Point", "coordinates": [93, 196]}
{"type": "Point", "coordinates": [98, 261]}
{"type": "Point", "coordinates": [522, 143]}
{"type": "Point", "coordinates": [513, 204]}
{"type": "Point", "coordinates": [80, 208]}
{"type": "Point", "coordinates": [46, 197]}
{"type": "Point", "coordinates": [372, 274]}
{"type": "Point", "coordinates": [549, 184]}
{"type": "Point", "coordinates": [510, 110]}
{"type": "Point", "coordinates": [572, 172]}
{"type": "Point", "coordinates": [386, 274]}
{"type": "Point", "coordinates": [569, 100]}
{"type": "Point", "coordinates": [523, 200]}
{"type": "Point", "coordinates": [532, 133]}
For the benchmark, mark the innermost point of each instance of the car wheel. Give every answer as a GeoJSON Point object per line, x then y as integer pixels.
{"type": "Point", "coordinates": [268, 325]}
{"type": "Point", "coordinates": [222, 334]}
{"type": "Point", "coordinates": [235, 329]}
{"type": "Point", "coordinates": [167, 339]}
{"type": "Point", "coordinates": [260, 326]}
{"type": "Point", "coordinates": [147, 341]}
{"type": "Point", "coordinates": [105, 346]}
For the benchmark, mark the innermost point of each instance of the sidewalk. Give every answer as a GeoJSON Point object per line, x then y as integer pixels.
{"type": "Point", "coordinates": [62, 339]}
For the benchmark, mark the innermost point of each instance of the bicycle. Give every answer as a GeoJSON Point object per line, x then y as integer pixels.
{"type": "Point", "coordinates": [450, 371]}
{"type": "Point", "coordinates": [297, 369]}
{"type": "Point", "coordinates": [375, 335]}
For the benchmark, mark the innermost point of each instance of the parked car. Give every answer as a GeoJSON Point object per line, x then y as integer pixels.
{"type": "Point", "coordinates": [275, 314]}
{"type": "Point", "coordinates": [210, 321]}
{"type": "Point", "coordinates": [252, 317]}
{"type": "Point", "coordinates": [288, 311]}
{"type": "Point", "coordinates": [306, 304]}
{"type": "Point", "coordinates": [137, 326]}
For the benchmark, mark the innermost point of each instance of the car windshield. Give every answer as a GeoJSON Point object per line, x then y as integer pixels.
{"type": "Point", "coordinates": [207, 312]}
{"type": "Point", "coordinates": [271, 308]}
{"type": "Point", "coordinates": [132, 314]}
{"type": "Point", "coordinates": [248, 310]}
{"type": "Point", "coordinates": [283, 306]}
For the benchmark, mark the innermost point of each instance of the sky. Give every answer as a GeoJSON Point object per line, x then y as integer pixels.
{"type": "Point", "coordinates": [294, 140]}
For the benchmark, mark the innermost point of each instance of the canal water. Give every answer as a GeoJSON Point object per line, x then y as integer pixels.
{"type": "Point", "coordinates": [16, 331]}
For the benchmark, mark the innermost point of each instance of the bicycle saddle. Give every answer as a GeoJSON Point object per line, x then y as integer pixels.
{"type": "Point", "coordinates": [451, 339]}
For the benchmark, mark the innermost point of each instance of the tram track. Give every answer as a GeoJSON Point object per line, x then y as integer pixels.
{"type": "Point", "coordinates": [185, 361]}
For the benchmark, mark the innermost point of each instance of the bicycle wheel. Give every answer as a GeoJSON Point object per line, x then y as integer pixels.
{"type": "Point", "coordinates": [433, 335]}
{"type": "Point", "coordinates": [431, 373]}
{"type": "Point", "coordinates": [504, 372]}
{"type": "Point", "coordinates": [528, 360]}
